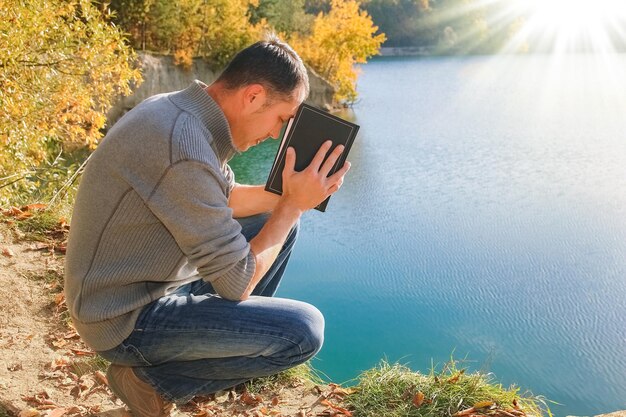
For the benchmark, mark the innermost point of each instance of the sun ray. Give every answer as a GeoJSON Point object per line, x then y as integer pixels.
{"type": "Point", "coordinates": [573, 25]}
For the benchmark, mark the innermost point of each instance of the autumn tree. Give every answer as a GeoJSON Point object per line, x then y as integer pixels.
{"type": "Point", "coordinates": [286, 16]}
{"type": "Point", "coordinates": [402, 21]}
{"type": "Point", "coordinates": [339, 39]}
{"type": "Point", "coordinates": [213, 29]}
{"type": "Point", "coordinates": [61, 65]}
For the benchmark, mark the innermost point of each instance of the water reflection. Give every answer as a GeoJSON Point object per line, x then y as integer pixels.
{"type": "Point", "coordinates": [483, 214]}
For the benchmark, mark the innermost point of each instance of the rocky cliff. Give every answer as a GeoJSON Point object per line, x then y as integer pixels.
{"type": "Point", "coordinates": [160, 75]}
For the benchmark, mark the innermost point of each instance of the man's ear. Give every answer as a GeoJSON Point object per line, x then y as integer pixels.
{"type": "Point", "coordinates": [254, 97]}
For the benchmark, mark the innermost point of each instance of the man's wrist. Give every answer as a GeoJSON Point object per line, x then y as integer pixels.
{"type": "Point", "coordinates": [286, 207]}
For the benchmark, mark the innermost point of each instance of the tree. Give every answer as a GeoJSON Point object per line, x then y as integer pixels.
{"type": "Point", "coordinates": [402, 21]}
{"type": "Point", "coordinates": [343, 37]}
{"type": "Point", "coordinates": [212, 29]}
{"type": "Point", "coordinates": [285, 16]}
{"type": "Point", "coordinates": [62, 64]}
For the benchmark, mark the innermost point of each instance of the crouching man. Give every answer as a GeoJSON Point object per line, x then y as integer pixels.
{"type": "Point", "coordinates": [171, 265]}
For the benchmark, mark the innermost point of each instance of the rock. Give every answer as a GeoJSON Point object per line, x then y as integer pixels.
{"type": "Point", "coordinates": [161, 75]}
{"type": "Point", "coordinates": [614, 414]}
{"type": "Point", "coordinates": [118, 412]}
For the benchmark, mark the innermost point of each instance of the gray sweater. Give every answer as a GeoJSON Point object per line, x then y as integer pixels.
{"type": "Point", "coordinates": [152, 214]}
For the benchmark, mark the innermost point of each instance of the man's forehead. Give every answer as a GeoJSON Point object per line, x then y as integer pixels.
{"type": "Point", "coordinates": [290, 107]}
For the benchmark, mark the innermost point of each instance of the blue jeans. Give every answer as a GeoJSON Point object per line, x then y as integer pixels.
{"type": "Point", "coordinates": [193, 342]}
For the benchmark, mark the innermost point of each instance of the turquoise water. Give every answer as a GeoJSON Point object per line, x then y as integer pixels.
{"type": "Point", "coordinates": [484, 216]}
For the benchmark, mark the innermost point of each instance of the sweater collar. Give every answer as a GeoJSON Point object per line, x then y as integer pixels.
{"type": "Point", "coordinates": [198, 102]}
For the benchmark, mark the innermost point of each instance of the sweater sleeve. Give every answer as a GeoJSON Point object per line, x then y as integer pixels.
{"type": "Point", "coordinates": [190, 200]}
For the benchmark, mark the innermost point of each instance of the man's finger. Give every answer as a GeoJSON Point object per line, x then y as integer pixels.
{"type": "Point", "coordinates": [290, 161]}
{"type": "Point", "coordinates": [338, 176]}
{"type": "Point", "coordinates": [331, 160]}
{"type": "Point", "coordinates": [335, 187]}
{"type": "Point", "coordinates": [320, 155]}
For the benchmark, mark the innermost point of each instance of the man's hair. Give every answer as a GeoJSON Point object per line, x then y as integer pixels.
{"type": "Point", "coordinates": [271, 63]}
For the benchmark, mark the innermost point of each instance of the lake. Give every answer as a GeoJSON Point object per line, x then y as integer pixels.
{"type": "Point", "coordinates": [484, 217]}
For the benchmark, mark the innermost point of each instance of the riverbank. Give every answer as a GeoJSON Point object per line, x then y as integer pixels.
{"type": "Point", "coordinates": [405, 51]}
{"type": "Point", "coordinates": [46, 370]}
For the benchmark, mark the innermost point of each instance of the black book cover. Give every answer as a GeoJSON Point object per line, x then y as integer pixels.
{"type": "Point", "coordinates": [306, 132]}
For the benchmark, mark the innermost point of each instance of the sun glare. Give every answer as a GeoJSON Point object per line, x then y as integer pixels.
{"type": "Point", "coordinates": [570, 25]}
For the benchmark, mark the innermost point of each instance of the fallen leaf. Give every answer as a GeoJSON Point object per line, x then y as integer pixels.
{"type": "Point", "coordinates": [59, 298]}
{"type": "Point", "coordinates": [71, 335]}
{"type": "Point", "coordinates": [465, 412]}
{"type": "Point", "coordinates": [80, 352]}
{"type": "Point", "coordinates": [15, 367]}
{"type": "Point", "coordinates": [100, 377]}
{"type": "Point", "coordinates": [38, 246]}
{"type": "Point", "coordinates": [340, 391]}
{"type": "Point", "coordinates": [30, 412]}
{"type": "Point", "coordinates": [13, 211]}
{"type": "Point", "coordinates": [336, 407]}
{"type": "Point", "coordinates": [483, 404]}
{"type": "Point", "coordinates": [504, 413]}
{"type": "Point", "coordinates": [57, 412]}
{"type": "Point", "coordinates": [454, 379]}
{"type": "Point", "coordinates": [59, 363]}
{"type": "Point", "coordinates": [36, 206]}
{"type": "Point", "coordinates": [248, 399]}
{"type": "Point", "coordinates": [24, 216]}
{"type": "Point", "coordinates": [275, 401]}
{"type": "Point", "coordinates": [8, 252]}
{"type": "Point", "coordinates": [418, 399]}
{"type": "Point", "coordinates": [59, 343]}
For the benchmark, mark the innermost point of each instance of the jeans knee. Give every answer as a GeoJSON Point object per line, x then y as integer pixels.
{"type": "Point", "coordinates": [311, 326]}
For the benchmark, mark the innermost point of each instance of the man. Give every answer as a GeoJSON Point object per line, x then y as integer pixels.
{"type": "Point", "coordinates": [171, 265]}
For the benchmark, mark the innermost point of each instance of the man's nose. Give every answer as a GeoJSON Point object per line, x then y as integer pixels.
{"type": "Point", "coordinates": [275, 133]}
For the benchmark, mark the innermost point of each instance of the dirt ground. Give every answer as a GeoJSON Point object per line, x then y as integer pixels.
{"type": "Point", "coordinates": [45, 369]}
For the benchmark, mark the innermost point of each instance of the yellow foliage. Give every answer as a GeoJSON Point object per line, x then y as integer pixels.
{"type": "Point", "coordinates": [61, 64]}
{"type": "Point", "coordinates": [339, 40]}
{"type": "Point", "coordinates": [213, 29]}
{"type": "Point", "coordinates": [227, 30]}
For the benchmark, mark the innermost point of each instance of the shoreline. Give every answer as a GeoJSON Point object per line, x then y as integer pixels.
{"type": "Point", "coordinates": [405, 51]}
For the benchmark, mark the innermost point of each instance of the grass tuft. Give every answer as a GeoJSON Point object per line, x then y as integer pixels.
{"type": "Point", "coordinates": [300, 374]}
{"type": "Point", "coordinates": [89, 365]}
{"type": "Point", "coordinates": [393, 390]}
{"type": "Point", "coordinates": [44, 225]}
{"type": "Point", "coordinates": [39, 225]}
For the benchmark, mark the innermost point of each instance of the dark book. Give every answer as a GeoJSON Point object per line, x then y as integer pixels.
{"type": "Point", "coordinates": [306, 132]}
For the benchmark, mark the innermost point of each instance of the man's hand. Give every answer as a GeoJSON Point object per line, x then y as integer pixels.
{"type": "Point", "coordinates": [301, 191]}
{"type": "Point", "coordinates": [308, 188]}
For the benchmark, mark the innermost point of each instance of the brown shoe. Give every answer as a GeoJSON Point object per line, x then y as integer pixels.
{"type": "Point", "coordinates": [139, 396]}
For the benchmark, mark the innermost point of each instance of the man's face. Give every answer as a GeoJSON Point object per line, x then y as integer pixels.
{"type": "Point", "coordinates": [264, 121]}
